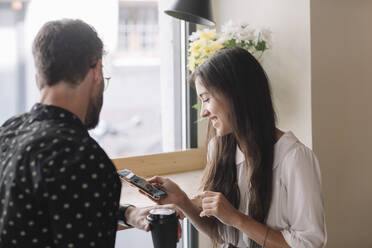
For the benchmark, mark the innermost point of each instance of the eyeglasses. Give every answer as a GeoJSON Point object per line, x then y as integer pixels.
{"type": "Point", "coordinates": [106, 81]}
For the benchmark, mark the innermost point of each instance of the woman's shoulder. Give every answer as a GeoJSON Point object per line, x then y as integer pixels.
{"type": "Point", "coordinates": [290, 153]}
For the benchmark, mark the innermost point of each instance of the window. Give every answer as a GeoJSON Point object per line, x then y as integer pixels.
{"type": "Point", "coordinates": [131, 117]}
{"type": "Point", "coordinates": [138, 27]}
{"type": "Point", "coordinates": [142, 105]}
{"type": "Point", "coordinates": [11, 60]}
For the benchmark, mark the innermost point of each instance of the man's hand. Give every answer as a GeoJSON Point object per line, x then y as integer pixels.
{"type": "Point", "coordinates": [137, 217]}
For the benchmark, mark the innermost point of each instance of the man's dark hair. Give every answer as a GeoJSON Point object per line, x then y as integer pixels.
{"type": "Point", "coordinates": [65, 50]}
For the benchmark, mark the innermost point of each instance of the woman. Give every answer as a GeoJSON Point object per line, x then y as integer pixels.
{"type": "Point", "coordinates": [262, 187]}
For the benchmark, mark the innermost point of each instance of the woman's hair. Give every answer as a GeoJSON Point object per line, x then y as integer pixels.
{"type": "Point", "coordinates": [235, 74]}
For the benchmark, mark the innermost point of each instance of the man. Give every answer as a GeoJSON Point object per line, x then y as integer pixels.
{"type": "Point", "coordinates": [58, 188]}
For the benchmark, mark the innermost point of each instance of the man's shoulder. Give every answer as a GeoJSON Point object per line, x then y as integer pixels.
{"type": "Point", "coordinates": [14, 120]}
{"type": "Point", "coordinates": [53, 140]}
{"type": "Point", "coordinates": [66, 138]}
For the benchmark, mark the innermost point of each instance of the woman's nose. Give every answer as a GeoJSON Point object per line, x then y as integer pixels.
{"type": "Point", "coordinates": [204, 112]}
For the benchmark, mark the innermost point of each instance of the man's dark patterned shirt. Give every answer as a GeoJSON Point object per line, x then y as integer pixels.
{"type": "Point", "coordinates": [58, 188]}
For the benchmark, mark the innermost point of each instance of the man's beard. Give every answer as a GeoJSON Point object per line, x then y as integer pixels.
{"type": "Point", "coordinates": [94, 109]}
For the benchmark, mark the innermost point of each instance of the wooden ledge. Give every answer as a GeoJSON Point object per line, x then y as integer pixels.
{"type": "Point", "coordinates": [164, 163]}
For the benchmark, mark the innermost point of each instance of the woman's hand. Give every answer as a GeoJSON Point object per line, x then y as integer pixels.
{"type": "Point", "coordinates": [175, 195]}
{"type": "Point", "coordinates": [215, 204]}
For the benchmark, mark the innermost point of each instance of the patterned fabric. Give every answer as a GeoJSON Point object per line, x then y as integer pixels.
{"type": "Point", "coordinates": [58, 188]}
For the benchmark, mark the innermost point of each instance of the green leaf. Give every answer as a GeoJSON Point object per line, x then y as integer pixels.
{"type": "Point", "coordinates": [196, 106]}
{"type": "Point", "coordinates": [261, 45]}
{"type": "Point", "coordinates": [230, 43]}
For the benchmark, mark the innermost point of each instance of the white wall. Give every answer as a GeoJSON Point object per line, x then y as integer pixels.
{"type": "Point", "coordinates": [342, 116]}
{"type": "Point", "coordinates": [288, 63]}
{"type": "Point", "coordinates": [322, 85]}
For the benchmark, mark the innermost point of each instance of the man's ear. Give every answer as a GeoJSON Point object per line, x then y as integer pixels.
{"type": "Point", "coordinates": [97, 70]}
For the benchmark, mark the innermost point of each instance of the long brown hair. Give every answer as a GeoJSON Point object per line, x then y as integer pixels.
{"type": "Point", "coordinates": [237, 75]}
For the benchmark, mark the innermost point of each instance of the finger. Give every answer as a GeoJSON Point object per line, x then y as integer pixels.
{"type": "Point", "coordinates": [198, 197]}
{"type": "Point", "coordinates": [139, 225]}
{"type": "Point", "coordinates": [181, 215]}
{"type": "Point", "coordinates": [156, 179]}
{"type": "Point", "coordinates": [147, 228]}
{"type": "Point", "coordinates": [208, 206]}
{"type": "Point", "coordinates": [207, 194]}
{"type": "Point", "coordinates": [160, 186]}
{"type": "Point", "coordinates": [209, 200]}
{"type": "Point", "coordinates": [207, 213]}
{"type": "Point", "coordinates": [157, 184]}
{"type": "Point", "coordinates": [179, 231]}
{"type": "Point", "coordinates": [211, 193]}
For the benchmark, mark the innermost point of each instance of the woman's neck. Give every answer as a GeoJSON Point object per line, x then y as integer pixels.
{"type": "Point", "coordinates": [279, 134]}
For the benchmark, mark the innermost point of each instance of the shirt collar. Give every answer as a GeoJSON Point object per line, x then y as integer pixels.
{"type": "Point", "coordinates": [239, 156]}
{"type": "Point", "coordinates": [42, 111]}
{"type": "Point", "coordinates": [281, 147]}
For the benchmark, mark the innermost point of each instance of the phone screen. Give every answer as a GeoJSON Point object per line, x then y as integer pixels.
{"type": "Point", "coordinates": [141, 183]}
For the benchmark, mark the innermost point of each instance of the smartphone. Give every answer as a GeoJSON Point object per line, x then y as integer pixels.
{"type": "Point", "coordinates": [142, 184]}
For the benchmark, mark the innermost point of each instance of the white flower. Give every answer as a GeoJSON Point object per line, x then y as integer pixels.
{"type": "Point", "coordinates": [203, 43]}
{"type": "Point", "coordinates": [266, 36]}
{"type": "Point", "coordinates": [207, 30]}
{"type": "Point", "coordinates": [229, 30]}
{"type": "Point", "coordinates": [246, 35]}
{"type": "Point", "coordinates": [223, 38]}
{"type": "Point", "coordinates": [227, 27]}
{"type": "Point", "coordinates": [239, 32]}
{"type": "Point", "coordinates": [194, 36]}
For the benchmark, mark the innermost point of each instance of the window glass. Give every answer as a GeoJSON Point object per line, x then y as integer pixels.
{"type": "Point", "coordinates": [141, 110]}
{"type": "Point", "coordinates": [141, 107]}
{"type": "Point", "coordinates": [131, 117]}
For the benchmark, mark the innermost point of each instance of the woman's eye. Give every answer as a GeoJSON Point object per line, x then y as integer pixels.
{"type": "Point", "coordinates": [205, 100]}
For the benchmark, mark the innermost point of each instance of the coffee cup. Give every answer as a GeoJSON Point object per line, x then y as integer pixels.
{"type": "Point", "coordinates": [164, 227]}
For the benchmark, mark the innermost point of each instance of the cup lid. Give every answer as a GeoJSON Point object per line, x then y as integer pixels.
{"type": "Point", "coordinates": [162, 211]}
{"type": "Point", "coordinates": [161, 214]}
